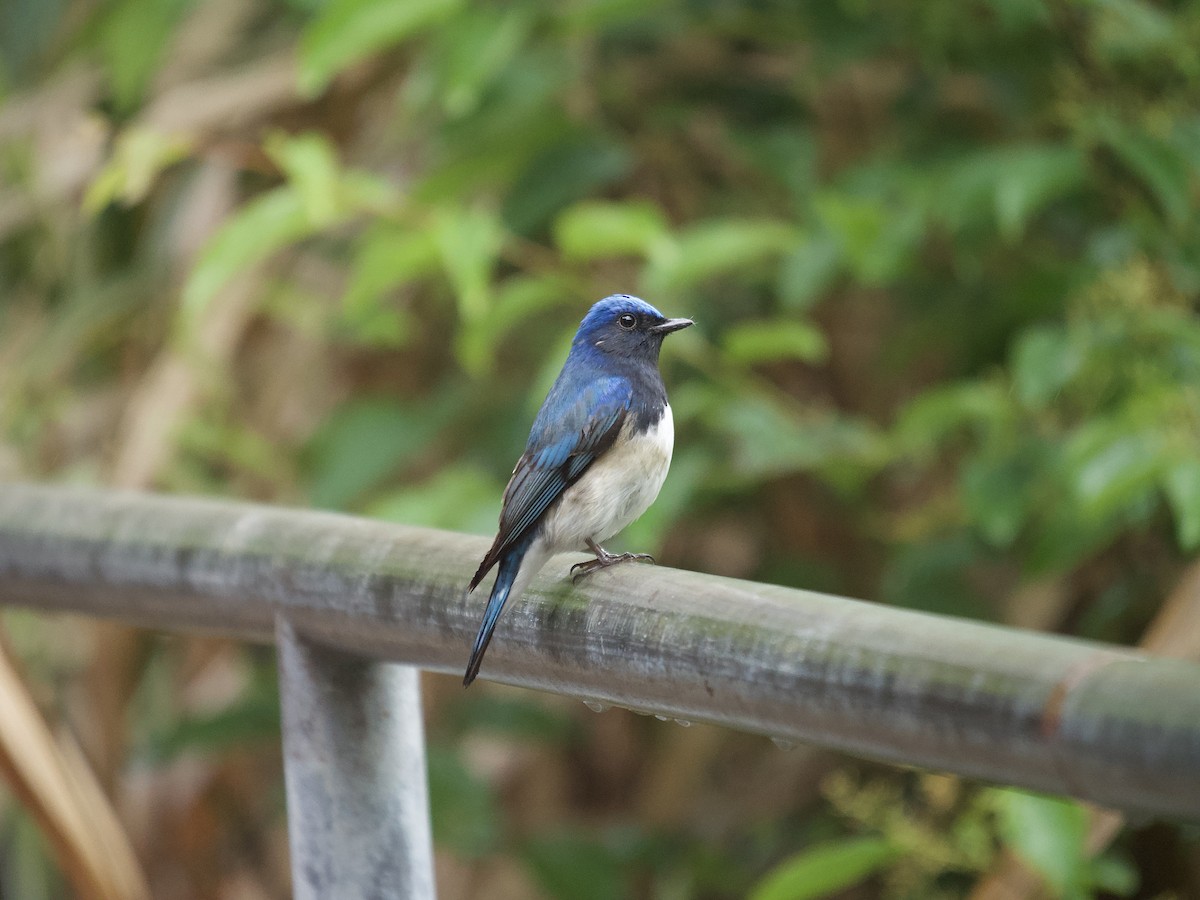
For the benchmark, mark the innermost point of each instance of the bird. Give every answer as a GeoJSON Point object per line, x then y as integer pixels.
{"type": "Point", "coordinates": [597, 455]}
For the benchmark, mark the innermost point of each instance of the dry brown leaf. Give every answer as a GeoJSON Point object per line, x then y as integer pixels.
{"type": "Point", "coordinates": [56, 785]}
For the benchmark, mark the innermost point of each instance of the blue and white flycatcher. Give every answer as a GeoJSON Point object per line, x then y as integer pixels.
{"type": "Point", "coordinates": [596, 457]}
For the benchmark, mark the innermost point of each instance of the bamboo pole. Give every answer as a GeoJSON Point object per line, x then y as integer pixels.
{"type": "Point", "coordinates": [1106, 724]}
{"type": "Point", "coordinates": [354, 763]}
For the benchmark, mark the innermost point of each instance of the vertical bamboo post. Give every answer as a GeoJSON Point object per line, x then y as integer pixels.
{"type": "Point", "coordinates": [354, 759]}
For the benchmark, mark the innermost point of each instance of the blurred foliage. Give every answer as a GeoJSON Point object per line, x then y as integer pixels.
{"type": "Point", "coordinates": [824, 869]}
{"type": "Point", "coordinates": [944, 265]}
{"type": "Point", "coordinates": [1050, 834]}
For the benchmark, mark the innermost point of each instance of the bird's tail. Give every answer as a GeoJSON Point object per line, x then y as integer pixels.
{"type": "Point", "coordinates": [510, 566]}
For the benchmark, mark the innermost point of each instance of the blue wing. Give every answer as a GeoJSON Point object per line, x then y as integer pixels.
{"type": "Point", "coordinates": [568, 435]}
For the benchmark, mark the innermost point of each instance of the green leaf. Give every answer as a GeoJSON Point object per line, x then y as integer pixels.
{"type": "Point", "coordinates": [877, 239]}
{"type": "Point", "coordinates": [769, 438]}
{"type": "Point", "coordinates": [590, 16]}
{"type": "Point", "coordinates": [387, 257]}
{"type": "Point", "coordinates": [252, 719]}
{"type": "Point", "coordinates": [1049, 834]}
{"type": "Point", "coordinates": [1132, 31]}
{"type": "Point", "coordinates": [808, 271]}
{"type": "Point", "coordinates": [595, 229]}
{"type": "Point", "coordinates": [470, 55]}
{"type": "Point", "coordinates": [458, 498]}
{"type": "Point", "coordinates": [139, 156]}
{"type": "Point", "coordinates": [1044, 362]}
{"type": "Point", "coordinates": [758, 342]}
{"type": "Point", "coordinates": [826, 869]}
{"type": "Point", "coordinates": [132, 38]}
{"type": "Point", "coordinates": [1008, 184]}
{"type": "Point", "coordinates": [932, 575]}
{"type": "Point", "coordinates": [551, 362]}
{"type": "Point", "coordinates": [515, 300]}
{"type": "Point", "coordinates": [789, 153]}
{"type": "Point", "coordinates": [261, 227]}
{"type": "Point", "coordinates": [1112, 468]}
{"type": "Point", "coordinates": [329, 192]}
{"type": "Point", "coordinates": [1028, 178]}
{"type": "Point", "coordinates": [309, 162]}
{"type": "Point", "coordinates": [363, 442]}
{"type": "Point", "coordinates": [1114, 875]}
{"type": "Point", "coordinates": [497, 148]}
{"type": "Point", "coordinates": [1182, 486]}
{"type": "Point", "coordinates": [716, 247]}
{"type": "Point", "coordinates": [350, 30]}
{"type": "Point", "coordinates": [939, 412]}
{"type": "Point", "coordinates": [1064, 536]}
{"type": "Point", "coordinates": [961, 193]}
{"type": "Point", "coordinates": [996, 495]}
{"type": "Point", "coordinates": [1160, 165]}
{"type": "Point", "coordinates": [465, 816]}
{"type": "Point", "coordinates": [1018, 15]}
{"type": "Point", "coordinates": [317, 196]}
{"type": "Point", "coordinates": [522, 719]}
{"type": "Point", "coordinates": [468, 242]}
{"type": "Point", "coordinates": [574, 867]}
{"type": "Point", "coordinates": [567, 170]}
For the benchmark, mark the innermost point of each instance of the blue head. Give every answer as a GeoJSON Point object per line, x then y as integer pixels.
{"type": "Point", "coordinates": [626, 327]}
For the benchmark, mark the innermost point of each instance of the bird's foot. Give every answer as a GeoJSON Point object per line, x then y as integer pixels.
{"type": "Point", "coordinates": [603, 560]}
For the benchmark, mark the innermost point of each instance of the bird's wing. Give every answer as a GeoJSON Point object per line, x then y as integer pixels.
{"type": "Point", "coordinates": [559, 452]}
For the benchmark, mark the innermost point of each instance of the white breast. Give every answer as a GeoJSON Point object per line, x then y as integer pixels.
{"type": "Point", "coordinates": [618, 488]}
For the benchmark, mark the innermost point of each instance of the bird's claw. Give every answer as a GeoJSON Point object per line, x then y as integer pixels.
{"type": "Point", "coordinates": [603, 561]}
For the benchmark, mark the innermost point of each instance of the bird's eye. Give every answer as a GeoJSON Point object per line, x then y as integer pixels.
{"type": "Point", "coordinates": [626, 321]}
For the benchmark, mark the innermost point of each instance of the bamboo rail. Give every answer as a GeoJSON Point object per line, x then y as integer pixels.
{"type": "Point", "coordinates": [1102, 723]}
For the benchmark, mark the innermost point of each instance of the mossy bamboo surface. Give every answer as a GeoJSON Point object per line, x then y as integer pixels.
{"type": "Point", "coordinates": [1103, 723]}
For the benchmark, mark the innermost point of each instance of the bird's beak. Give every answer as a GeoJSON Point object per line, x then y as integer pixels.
{"type": "Point", "coordinates": [670, 325]}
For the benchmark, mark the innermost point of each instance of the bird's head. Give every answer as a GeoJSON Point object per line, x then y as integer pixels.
{"type": "Point", "coordinates": [626, 326]}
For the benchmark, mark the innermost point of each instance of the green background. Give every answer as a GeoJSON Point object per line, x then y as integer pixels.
{"type": "Point", "coordinates": [944, 263]}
